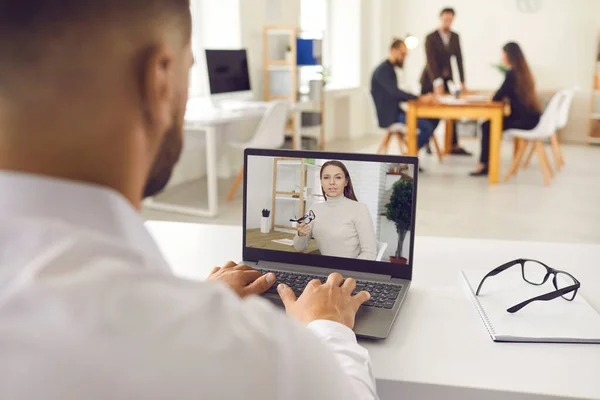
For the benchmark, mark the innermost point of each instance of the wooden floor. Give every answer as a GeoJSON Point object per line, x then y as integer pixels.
{"type": "Point", "coordinates": [256, 239]}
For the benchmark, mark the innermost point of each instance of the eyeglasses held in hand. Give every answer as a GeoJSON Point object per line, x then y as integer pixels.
{"type": "Point", "coordinates": [537, 273]}
{"type": "Point", "coordinates": [306, 219]}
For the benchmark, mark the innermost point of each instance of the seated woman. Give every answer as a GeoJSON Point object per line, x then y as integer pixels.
{"type": "Point", "coordinates": [519, 89]}
{"type": "Point", "coordinates": [343, 227]}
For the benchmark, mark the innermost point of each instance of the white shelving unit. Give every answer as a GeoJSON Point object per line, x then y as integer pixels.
{"type": "Point", "coordinates": [282, 81]}
{"type": "Point", "coordinates": [302, 196]}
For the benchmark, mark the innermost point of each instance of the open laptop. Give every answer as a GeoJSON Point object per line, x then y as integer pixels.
{"type": "Point", "coordinates": [349, 230]}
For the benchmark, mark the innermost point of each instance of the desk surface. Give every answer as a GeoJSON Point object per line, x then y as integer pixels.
{"type": "Point", "coordinates": [438, 346]}
{"type": "Point", "coordinates": [254, 238]}
{"type": "Point", "coordinates": [201, 111]}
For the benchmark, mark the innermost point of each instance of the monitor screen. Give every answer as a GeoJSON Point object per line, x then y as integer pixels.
{"type": "Point", "coordinates": [227, 71]}
{"type": "Point", "coordinates": [340, 208]}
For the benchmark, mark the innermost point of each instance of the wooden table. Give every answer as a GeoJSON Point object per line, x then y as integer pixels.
{"type": "Point", "coordinates": [259, 240]}
{"type": "Point", "coordinates": [492, 110]}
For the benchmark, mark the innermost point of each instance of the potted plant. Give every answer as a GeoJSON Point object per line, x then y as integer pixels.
{"type": "Point", "coordinates": [500, 67]}
{"type": "Point", "coordinates": [264, 221]}
{"type": "Point", "coordinates": [398, 210]}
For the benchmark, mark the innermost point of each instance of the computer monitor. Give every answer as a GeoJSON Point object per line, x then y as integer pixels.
{"type": "Point", "coordinates": [324, 209]}
{"type": "Point", "coordinates": [228, 72]}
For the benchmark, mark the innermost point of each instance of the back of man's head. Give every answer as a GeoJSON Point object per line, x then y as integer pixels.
{"type": "Point", "coordinates": [80, 76]}
{"type": "Point", "coordinates": [40, 39]}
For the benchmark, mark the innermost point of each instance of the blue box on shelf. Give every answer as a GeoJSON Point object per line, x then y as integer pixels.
{"type": "Point", "coordinates": [308, 52]}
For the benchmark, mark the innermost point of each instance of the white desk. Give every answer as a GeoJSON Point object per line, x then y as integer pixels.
{"type": "Point", "coordinates": [438, 347]}
{"type": "Point", "coordinates": [201, 117]}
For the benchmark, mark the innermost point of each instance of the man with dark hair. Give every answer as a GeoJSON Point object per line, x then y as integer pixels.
{"type": "Point", "coordinates": [440, 46]}
{"type": "Point", "coordinates": [92, 102]}
{"type": "Point", "coordinates": [387, 96]}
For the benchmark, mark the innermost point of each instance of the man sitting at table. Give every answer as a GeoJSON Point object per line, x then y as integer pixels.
{"type": "Point", "coordinates": [387, 95]}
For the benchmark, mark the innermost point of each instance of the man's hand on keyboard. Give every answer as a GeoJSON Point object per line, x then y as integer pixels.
{"type": "Point", "coordinates": [244, 280]}
{"type": "Point", "coordinates": [331, 301]}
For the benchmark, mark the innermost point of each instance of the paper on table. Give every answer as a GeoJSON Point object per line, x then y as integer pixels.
{"type": "Point", "coordinates": [476, 98]}
{"type": "Point", "coordinates": [286, 242]}
{"type": "Point", "coordinates": [557, 320]}
{"type": "Point", "coordinates": [451, 100]}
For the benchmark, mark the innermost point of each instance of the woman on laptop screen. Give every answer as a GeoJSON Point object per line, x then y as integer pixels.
{"type": "Point", "coordinates": [342, 226]}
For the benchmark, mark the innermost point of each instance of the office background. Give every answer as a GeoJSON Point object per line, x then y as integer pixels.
{"type": "Point", "coordinates": [560, 40]}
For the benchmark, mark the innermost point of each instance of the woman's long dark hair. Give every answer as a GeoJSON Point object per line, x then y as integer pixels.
{"type": "Point", "coordinates": [349, 189]}
{"type": "Point", "coordinates": [525, 84]}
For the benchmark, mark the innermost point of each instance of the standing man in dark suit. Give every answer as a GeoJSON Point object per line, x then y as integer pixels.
{"type": "Point", "coordinates": [440, 46]}
{"type": "Point", "coordinates": [387, 96]}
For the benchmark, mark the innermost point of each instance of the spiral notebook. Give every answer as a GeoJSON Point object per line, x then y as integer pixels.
{"type": "Point", "coordinates": [555, 321]}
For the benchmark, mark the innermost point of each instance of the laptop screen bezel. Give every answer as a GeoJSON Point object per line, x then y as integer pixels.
{"type": "Point", "coordinates": [400, 271]}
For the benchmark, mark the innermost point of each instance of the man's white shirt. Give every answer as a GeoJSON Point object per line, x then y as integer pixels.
{"type": "Point", "coordinates": [89, 309]}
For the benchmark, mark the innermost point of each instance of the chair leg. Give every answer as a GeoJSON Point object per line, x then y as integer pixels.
{"type": "Point", "coordinates": [400, 140]}
{"type": "Point", "coordinates": [383, 146]}
{"type": "Point", "coordinates": [235, 185]}
{"type": "Point", "coordinates": [543, 162]}
{"type": "Point", "coordinates": [517, 159]}
{"type": "Point", "coordinates": [436, 144]}
{"type": "Point", "coordinates": [558, 159]}
{"type": "Point", "coordinates": [548, 164]}
{"type": "Point", "coordinates": [529, 157]}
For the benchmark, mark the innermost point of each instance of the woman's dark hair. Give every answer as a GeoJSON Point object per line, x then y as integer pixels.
{"type": "Point", "coordinates": [525, 84]}
{"type": "Point", "coordinates": [349, 189]}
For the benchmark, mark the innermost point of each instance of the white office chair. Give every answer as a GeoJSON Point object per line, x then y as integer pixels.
{"type": "Point", "coordinates": [396, 130]}
{"type": "Point", "coordinates": [536, 136]}
{"type": "Point", "coordinates": [563, 118]}
{"type": "Point", "coordinates": [381, 247]}
{"type": "Point", "coordinates": [270, 134]}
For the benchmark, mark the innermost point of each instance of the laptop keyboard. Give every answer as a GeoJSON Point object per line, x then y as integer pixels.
{"type": "Point", "coordinates": [383, 295]}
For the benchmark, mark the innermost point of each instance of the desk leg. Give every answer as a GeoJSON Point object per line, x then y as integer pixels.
{"type": "Point", "coordinates": [495, 141]}
{"type": "Point", "coordinates": [411, 130]}
{"type": "Point", "coordinates": [296, 133]}
{"type": "Point", "coordinates": [211, 171]}
{"type": "Point", "coordinates": [449, 136]}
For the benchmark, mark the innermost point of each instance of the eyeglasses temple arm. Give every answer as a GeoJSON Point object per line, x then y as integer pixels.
{"type": "Point", "coordinates": [544, 297]}
{"type": "Point", "coordinates": [496, 271]}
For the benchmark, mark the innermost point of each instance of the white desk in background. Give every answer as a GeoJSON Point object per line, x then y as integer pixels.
{"type": "Point", "coordinates": [438, 347]}
{"type": "Point", "coordinates": [200, 116]}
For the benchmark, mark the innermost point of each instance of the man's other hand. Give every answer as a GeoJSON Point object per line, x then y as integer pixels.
{"type": "Point", "coordinates": [439, 90]}
{"type": "Point", "coordinates": [331, 301]}
{"type": "Point", "coordinates": [244, 280]}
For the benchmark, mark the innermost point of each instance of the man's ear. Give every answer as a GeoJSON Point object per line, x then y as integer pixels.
{"type": "Point", "coordinates": [157, 89]}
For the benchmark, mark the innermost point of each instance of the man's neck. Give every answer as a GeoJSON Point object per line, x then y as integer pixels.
{"type": "Point", "coordinates": [392, 61]}
{"type": "Point", "coordinates": [77, 168]}
{"type": "Point", "coordinates": [445, 32]}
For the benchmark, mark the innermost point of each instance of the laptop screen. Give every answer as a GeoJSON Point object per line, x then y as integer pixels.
{"type": "Point", "coordinates": [361, 210]}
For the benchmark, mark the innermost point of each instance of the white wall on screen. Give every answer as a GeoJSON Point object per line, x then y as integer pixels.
{"type": "Point", "coordinates": [260, 189]}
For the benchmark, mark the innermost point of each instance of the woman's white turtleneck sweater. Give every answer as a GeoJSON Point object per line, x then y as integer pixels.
{"type": "Point", "coordinates": [342, 228]}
